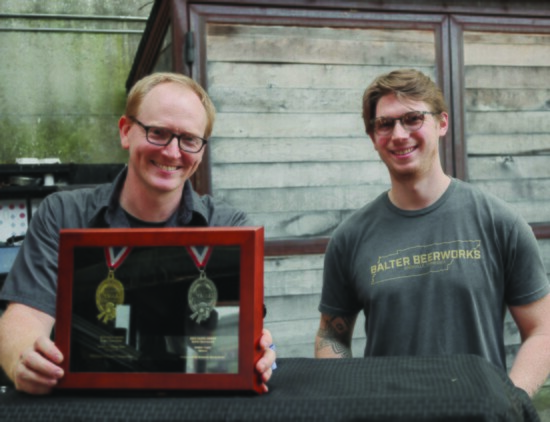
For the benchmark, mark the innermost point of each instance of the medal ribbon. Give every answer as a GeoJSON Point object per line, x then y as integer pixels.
{"type": "Point", "coordinates": [202, 294]}
{"type": "Point", "coordinates": [116, 258]}
{"type": "Point", "coordinates": [200, 257]}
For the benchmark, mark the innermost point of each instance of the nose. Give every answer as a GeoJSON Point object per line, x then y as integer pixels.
{"type": "Point", "coordinates": [399, 130]}
{"type": "Point", "coordinates": [172, 148]}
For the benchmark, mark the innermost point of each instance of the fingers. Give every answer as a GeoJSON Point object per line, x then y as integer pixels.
{"type": "Point", "coordinates": [32, 382]}
{"type": "Point", "coordinates": [48, 349]}
{"type": "Point", "coordinates": [265, 378]}
{"type": "Point", "coordinates": [37, 371]}
{"type": "Point", "coordinates": [266, 340]}
{"type": "Point", "coordinates": [268, 358]}
{"type": "Point", "coordinates": [266, 363]}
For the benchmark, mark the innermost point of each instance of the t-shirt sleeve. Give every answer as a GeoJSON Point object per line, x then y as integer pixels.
{"type": "Point", "coordinates": [338, 297]}
{"type": "Point", "coordinates": [526, 278]}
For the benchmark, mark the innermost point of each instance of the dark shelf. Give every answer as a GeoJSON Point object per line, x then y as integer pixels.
{"type": "Point", "coordinates": [33, 169]}
{"type": "Point", "coordinates": [66, 177]}
{"type": "Point", "coordinates": [7, 192]}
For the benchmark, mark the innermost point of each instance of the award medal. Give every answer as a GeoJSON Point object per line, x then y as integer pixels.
{"type": "Point", "coordinates": [203, 295]}
{"type": "Point", "coordinates": [110, 291]}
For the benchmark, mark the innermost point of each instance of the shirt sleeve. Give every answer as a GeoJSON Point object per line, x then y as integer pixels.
{"type": "Point", "coordinates": [526, 278]}
{"type": "Point", "coordinates": [222, 214]}
{"type": "Point", "coordinates": [32, 280]}
{"type": "Point", "coordinates": [338, 297]}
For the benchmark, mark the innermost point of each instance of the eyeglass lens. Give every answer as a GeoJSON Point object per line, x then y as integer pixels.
{"type": "Point", "coordinates": [161, 136]}
{"type": "Point", "coordinates": [411, 122]}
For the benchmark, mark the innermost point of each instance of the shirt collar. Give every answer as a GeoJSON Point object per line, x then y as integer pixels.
{"type": "Point", "coordinates": [191, 211]}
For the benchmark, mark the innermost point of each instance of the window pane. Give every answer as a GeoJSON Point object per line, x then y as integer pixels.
{"type": "Point", "coordinates": [164, 60]}
{"type": "Point", "coordinates": [508, 118]}
{"type": "Point", "coordinates": [289, 145]}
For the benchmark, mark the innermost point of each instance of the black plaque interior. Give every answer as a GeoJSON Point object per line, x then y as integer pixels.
{"type": "Point", "coordinates": [154, 330]}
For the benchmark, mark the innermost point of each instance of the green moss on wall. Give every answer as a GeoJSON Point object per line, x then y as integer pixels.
{"type": "Point", "coordinates": [76, 140]}
{"type": "Point", "coordinates": [63, 92]}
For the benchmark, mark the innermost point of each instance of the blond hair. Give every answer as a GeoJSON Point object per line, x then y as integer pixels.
{"type": "Point", "coordinates": [146, 84]}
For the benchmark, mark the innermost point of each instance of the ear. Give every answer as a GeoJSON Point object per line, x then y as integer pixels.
{"type": "Point", "coordinates": [443, 124]}
{"type": "Point", "coordinates": [371, 136]}
{"type": "Point", "coordinates": [124, 126]}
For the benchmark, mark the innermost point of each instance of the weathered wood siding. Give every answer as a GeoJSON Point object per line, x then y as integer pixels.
{"type": "Point", "coordinates": [290, 148]}
{"type": "Point", "coordinates": [507, 108]}
{"type": "Point", "coordinates": [507, 104]}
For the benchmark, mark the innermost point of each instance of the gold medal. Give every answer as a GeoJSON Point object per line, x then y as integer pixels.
{"type": "Point", "coordinates": [202, 298]}
{"type": "Point", "coordinates": [108, 295]}
{"type": "Point", "coordinates": [110, 291]}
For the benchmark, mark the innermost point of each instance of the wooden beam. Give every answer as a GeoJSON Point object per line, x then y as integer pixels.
{"type": "Point", "coordinates": [296, 247]}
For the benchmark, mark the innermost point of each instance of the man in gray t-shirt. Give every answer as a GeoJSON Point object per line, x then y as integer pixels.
{"type": "Point", "coordinates": [434, 262]}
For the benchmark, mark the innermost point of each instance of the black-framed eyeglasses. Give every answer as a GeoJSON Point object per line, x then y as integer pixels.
{"type": "Point", "coordinates": [411, 122]}
{"type": "Point", "coordinates": [161, 137]}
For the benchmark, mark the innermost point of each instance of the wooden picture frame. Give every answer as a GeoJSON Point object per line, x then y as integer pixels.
{"type": "Point", "coordinates": [129, 333]}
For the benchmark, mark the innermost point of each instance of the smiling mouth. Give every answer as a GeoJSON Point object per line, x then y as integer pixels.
{"type": "Point", "coordinates": [404, 151]}
{"type": "Point", "coordinates": [166, 168]}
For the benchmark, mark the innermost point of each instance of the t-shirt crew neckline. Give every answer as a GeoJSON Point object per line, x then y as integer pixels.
{"type": "Point", "coordinates": [429, 209]}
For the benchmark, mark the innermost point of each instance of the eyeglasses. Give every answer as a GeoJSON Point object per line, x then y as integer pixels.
{"type": "Point", "coordinates": [411, 122]}
{"type": "Point", "coordinates": [161, 137]}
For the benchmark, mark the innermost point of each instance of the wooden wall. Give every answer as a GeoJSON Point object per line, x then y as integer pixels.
{"type": "Point", "coordinates": [290, 148]}
{"type": "Point", "coordinates": [507, 104]}
{"type": "Point", "coordinates": [289, 145]}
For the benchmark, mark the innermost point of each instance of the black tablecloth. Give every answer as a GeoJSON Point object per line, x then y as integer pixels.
{"type": "Point", "coordinates": [375, 389]}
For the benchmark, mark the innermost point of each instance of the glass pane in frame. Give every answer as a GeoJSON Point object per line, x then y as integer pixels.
{"type": "Point", "coordinates": [507, 118]}
{"type": "Point", "coordinates": [289, 145]}
{"type": "Point", "coordinates": [144, 314]}
{"type": "Point", "coordinates": [164, 60]}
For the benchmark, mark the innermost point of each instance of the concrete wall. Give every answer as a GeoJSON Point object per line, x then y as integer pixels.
{"type": "Point", "coordinates": [64, 65]}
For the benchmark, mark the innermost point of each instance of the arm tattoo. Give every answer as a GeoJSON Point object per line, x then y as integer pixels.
{"type": "Point", "coordinates": [335, 333]}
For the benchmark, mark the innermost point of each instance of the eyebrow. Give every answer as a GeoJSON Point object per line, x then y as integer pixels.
{"type": "Point", "coordinates": [424, 112]}
{"type": "Point", "coordinates": [167, 129]}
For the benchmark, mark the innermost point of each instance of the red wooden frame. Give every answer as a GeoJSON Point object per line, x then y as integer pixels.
{"type": "Point", "coordinates": [251, 243]}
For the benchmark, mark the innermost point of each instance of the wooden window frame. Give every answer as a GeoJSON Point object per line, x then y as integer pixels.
{"type": "Point", "coordinates": [201, 14]}
{"type": "Point", "coordinates": [447, 21]}
{"type": "Point", "coordinates": [458, 25]}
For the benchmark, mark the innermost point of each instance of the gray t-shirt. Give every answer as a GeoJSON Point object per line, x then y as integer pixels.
{"type": "Point", "coordinates": [434, 281]}
{"type": "Point", "coordinates": [32, 280]}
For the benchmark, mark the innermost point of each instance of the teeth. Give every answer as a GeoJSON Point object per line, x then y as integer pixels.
{"type": "Point", "coordinates": [404, 151]}
{"type": "Point", "coordinates": [167, 168]}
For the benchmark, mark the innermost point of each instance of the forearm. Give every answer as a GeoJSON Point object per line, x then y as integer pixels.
{"type": "Point", "coordinates": [531, 366]}
{"type": "Point", "coordinates": [20, 326]}
{"type": "Point", "coordinates": [333, 338]}
{"type": "Point", "coordinates": [330, 348]}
